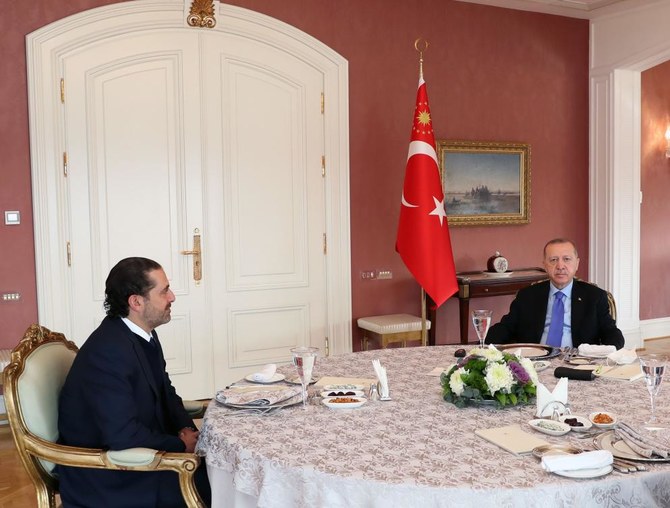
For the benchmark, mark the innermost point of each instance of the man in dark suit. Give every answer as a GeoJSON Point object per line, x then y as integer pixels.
{"type": "Point", "coordinates": [118, 395]}
{"type": "Point", "coordinates": [580, 316]}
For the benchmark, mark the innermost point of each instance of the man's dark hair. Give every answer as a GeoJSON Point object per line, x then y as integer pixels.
{"type": "Point", "coordinates": [128, 277]}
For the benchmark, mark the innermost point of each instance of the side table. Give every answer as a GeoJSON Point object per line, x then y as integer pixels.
{"type": "Point", "coordinates": [483, 284]}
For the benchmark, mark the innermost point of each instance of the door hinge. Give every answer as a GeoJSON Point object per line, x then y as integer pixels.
{"type": "Point", "coordinates": [65, 164]}
{"type": "Point", "coordinates": [69, 254]}
{"type": "Point", "coordinates": [327, 347]}
{"type": "Point", "coordinates": [323, 103]}
{"type": "Point", "coordinates": [62, 90]}
{"type": "Point", "coordinates": [323, 165]}
{"type": "Point", "coordinates": [325, 244]}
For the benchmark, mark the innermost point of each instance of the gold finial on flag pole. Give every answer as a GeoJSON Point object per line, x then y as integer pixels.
{"type": "Point", "coordinates": [420, 42]}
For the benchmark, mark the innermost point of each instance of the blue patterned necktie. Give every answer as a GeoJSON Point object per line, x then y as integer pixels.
{"type": "Point", "coordinates": [555, 335]}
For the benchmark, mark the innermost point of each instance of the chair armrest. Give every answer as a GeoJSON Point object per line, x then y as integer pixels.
{"type": "Point", "coordinates": [195, 408]}
{"type": "Point", "coordinates": [132, 459]}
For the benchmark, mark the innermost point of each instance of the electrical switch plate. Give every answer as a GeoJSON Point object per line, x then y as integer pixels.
{"type": "Point", "coordinates": [12, 218]}
{"type": "Point", "coordinates": [384, 274]}
{"type": "Point", "coordinates": [11, 297]}
{"type": "Point", "coordinates": [368, 274]}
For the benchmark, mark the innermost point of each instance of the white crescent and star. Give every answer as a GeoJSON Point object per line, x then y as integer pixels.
{"type": "Point", "coordinates": [423, 148]}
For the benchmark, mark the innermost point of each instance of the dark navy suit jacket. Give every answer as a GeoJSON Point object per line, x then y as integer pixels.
{"type": "Point", "coordinates": [111, 400]}
{"type": "Point", "coordinates": [591, 320]}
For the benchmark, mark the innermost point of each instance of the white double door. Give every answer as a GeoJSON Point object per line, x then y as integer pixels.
{"type": "Point", "coordinates": [175, 133]}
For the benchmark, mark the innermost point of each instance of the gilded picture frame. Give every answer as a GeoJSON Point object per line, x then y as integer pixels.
{"type": "Point", "coordinates": [485, 183]}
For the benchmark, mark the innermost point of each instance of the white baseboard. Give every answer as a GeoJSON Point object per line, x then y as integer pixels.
{"type": "Point", "coordinates": [654, 328]}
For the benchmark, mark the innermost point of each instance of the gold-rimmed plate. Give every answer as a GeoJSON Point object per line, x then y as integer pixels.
{"type": "Point", "coordinates": [555, 449]}
{"type": "Point", "coordinates": [608, 441]}
{"type": "Point", "coordinates": [530, 350]}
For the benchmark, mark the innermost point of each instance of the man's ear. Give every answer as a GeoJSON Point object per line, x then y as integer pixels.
{"type": "Point", "coordinates": [135, 302]}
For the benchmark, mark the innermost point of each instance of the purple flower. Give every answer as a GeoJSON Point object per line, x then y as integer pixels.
{"type": "Point", "coordinates": [519, 372]}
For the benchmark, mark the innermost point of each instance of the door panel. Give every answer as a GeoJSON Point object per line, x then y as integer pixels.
{"type": "Point", "coordinates": [266, 132]}
{"type": "Point", "coordinates": [135, 183]}
{"type": "Point", "coordinates": [143, 179]}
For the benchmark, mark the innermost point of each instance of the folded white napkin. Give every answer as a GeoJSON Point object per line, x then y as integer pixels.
{"type": "Point", "coordinates": [545, 398]}
{"type": "Point", "coordinates": [586, 460]}
{"type": "Point", "coordinates": [265, 374]}
{"type": "Point", "coordinates": [259, 397]}
{"type": "Point", "coordinates": [384, 392]}
{"type": "Point", "coordinates": [595, 350]}
{"type": "Point", "coordinates": [623, 356]}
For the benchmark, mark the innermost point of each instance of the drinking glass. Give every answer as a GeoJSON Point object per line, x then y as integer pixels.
{"type": "Point", "coordinates": [481, 319]}
{"type": "Point", "coordinates": [653, 368]}
{"type": "Point", "coordinates": [304, 358]}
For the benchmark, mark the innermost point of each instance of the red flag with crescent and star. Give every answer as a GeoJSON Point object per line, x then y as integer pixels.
{"type": "Point", "coordinates": [423, 240]}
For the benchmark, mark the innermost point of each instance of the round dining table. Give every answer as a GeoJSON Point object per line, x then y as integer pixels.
{"type": "Point", "coordinates": [416, 450]}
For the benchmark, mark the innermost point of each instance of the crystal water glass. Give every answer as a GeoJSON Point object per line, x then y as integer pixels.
{"type": "Point", "coordinates": [653, 368]}
{"type": "Point", "coordinates": [304, 358]}
{"type": "Point", "coordinates": [481, 320]}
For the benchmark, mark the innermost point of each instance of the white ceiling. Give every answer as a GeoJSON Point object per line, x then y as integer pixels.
{"type": "Point", "coordinates": [584, 9]}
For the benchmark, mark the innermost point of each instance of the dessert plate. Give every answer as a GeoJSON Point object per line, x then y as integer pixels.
{"type": "Point", "coordinates": [585, 423]}
{"type": "Point", "coordinates": [550, 427]}
{"type": "Point", "coordinates": [356, 402]}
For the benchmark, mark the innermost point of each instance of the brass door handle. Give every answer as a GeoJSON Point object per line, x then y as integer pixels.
{"type": "Point", "coordinates": [197, 256]}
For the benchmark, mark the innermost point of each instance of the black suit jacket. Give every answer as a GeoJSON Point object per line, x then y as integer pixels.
{"type": "Point", "coordinates": [591, 320]}
{"type": "Point", "coordinates": [111, 400]}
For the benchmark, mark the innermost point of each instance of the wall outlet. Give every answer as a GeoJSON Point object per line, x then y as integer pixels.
{"type": "Point", "coordinates": [368, 274]}
{"type": "Point", "coordinates": [384, 274]}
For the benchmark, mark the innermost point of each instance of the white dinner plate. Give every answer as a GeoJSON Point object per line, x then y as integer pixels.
{"type": "Point", "coordinates": [274, 379]}
{"type": "Point", "coordinates": [292, 401]}
{"type": "Point", "coordinates": [562, 428]}
{"type": "Point", "coordinates": [343, 405]}
{"type": "Point", "coordinates": [585, 473]}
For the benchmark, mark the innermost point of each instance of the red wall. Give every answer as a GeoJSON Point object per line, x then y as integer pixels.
{"type": "Point", "coordinates": [493, 75]}
{"type": "Point", "coordinates": [655, 181]}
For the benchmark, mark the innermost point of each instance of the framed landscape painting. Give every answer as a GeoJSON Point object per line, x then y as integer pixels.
{"type": "Point", "coordinates": [485, 183]}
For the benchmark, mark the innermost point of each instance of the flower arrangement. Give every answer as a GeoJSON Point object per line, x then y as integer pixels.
{"type": "Point", "coordinates": [490, 374]}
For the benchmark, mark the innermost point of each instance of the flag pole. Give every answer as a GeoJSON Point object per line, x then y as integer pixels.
{"type": "Point", "coordinates": [421, 45]}
{"type": "Point", "coordinates": [424, 338]}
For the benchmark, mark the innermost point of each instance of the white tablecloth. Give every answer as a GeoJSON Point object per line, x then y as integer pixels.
{"type": "Point", "coordinates": [416, 450]}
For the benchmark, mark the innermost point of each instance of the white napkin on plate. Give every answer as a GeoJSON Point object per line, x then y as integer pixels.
{"type": "Point", "coordinates": [623, 356]}
{"type": "Point", "coordinates": [265, 374]}
{"type": "Point", "coordinates": [545, 398]}
{"type": "Point", "coordinates": [595, 350]}
{"type": "Point", "coordinates": [383, 379]}
{"type": "Point", "coordinates": [587, 460]}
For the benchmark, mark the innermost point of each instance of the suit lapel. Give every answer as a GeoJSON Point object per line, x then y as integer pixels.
{"type": "Point", "coordinates": [577, 307]}
{"type": "Point", "coordinates": [143, 361]}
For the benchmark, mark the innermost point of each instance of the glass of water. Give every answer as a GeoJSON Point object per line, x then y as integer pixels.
{"type": "Point", "coordinates": [481, 320]}
{"type": "Point", "coordinates": [653, 368]}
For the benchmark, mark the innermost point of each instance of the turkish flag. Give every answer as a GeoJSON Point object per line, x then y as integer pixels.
{"type": "Point", "coordinates": [423, 240]}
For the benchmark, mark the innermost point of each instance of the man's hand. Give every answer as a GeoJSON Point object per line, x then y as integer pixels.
{"type": "Point", "coordinates": [189, 437]}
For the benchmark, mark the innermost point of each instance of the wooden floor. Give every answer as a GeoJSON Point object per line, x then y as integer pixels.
{"type": "Point", "coordinates": [16, 491]}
